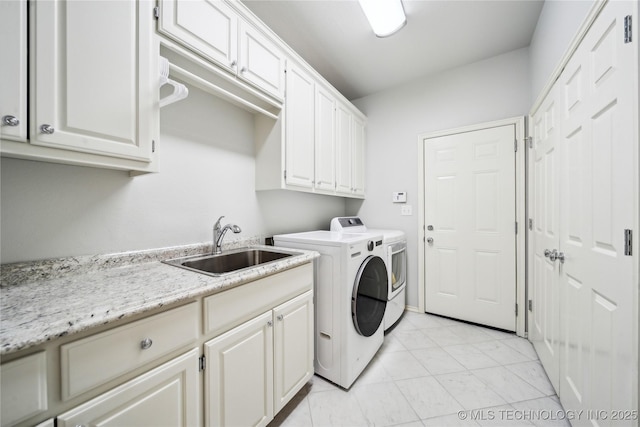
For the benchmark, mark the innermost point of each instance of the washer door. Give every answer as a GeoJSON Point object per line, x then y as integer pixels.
{"type": "Point", "coordinates": [369, 299]}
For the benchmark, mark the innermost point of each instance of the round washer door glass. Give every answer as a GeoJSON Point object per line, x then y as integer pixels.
{"type": "Point", "coordinates": [369, 299]}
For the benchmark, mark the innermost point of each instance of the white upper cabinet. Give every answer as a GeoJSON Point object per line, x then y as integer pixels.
{"type": "Point", "coordinates": [343, 150]}
{"type": "Point", "coordinates": [261, 62]}
{"type": "Point", "coordinates": [216, 31]}
{"type": "Point", "coordinates": [299, 128]}
{"type": "Point", "coordinates": [94, 78]}
{"type": "Point", "coordinates": [358, 156]}
{"type": "Point", "coordinates": [325, 113]}
{"type": "Point", "coordinates": [209, 28]}
{"type": "Point", "coordinates": [13, 70]}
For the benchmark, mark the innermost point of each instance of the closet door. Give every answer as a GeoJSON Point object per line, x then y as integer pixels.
{"type": "Point", "coordinates": [544, 328]}
{"type": "Point", "coordinates": [584, 189]}
{"type": "Point", "coordinates": [596, 206]}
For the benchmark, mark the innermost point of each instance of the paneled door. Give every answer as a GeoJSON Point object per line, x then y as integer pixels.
{"type": "Point", "coordinates": [544, 328]}
{"type": "Point", "coordinates": [584, 187]}
{"type": "Point", "coordinates": [470, 217]}
{"type": "Point", "coordinates": [596, 207]}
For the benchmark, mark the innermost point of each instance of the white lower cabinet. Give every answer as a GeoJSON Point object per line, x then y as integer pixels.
{"type": "Point", "coordinates": [232, 358]}
{"type": "Point", "coordinates": [167, 395]}
{"type": "Point", "coordinates": [23, 388]}
{"type": "Point", "coordinates": [256, 368]}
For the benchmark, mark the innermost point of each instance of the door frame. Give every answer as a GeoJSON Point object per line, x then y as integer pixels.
{"type": "Point", "coordinates": [520, 130]}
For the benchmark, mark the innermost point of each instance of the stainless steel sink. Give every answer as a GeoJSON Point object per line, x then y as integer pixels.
{"type": "Point", "coordinates": [231, 261]}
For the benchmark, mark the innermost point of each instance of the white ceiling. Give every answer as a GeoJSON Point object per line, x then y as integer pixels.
{"type": "Point", "coordinates": [334, 37]}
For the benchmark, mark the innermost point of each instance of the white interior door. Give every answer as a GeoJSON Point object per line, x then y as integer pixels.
{"type": "Point", "coordinates": [544, 330]}
{"type": "Point", "coordinates": [596, 206]}
{"type": "Point", "coordinates": [584, 187]}
{"type": "Point", "coordinates": [470, 217]}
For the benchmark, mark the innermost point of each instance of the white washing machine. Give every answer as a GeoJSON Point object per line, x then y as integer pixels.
{"type": "Point", "coordinates": [395, 249]}
{"type": "Point", "coordinates": [350, 298]}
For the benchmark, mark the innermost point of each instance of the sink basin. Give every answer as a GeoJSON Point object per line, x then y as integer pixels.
{"type": "Point", "coordinates": [231, 261]}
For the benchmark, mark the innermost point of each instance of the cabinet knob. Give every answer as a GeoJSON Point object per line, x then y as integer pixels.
{"type": "Point", "coordinates": [243, 69]}
{"type": "Point", "coordinates": [280, 317]}
{"type": "Point", "coordinates": [430, 240]}
{"type": "Point", "coordinates": [234, 63]}
{"type": "Point", "coordinates": [10, 120]}
{"type": "Point", "coordinates": [48, 129]}
{"type": "Point", "coordinates": [269, 323]}
{"type": "Point", "coordinates": [146, 343]}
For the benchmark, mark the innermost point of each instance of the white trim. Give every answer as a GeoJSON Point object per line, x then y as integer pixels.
{"type": "Point", "coordinates": [519, 123]}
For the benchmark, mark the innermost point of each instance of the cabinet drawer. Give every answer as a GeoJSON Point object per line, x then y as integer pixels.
{"type": "Point", "coordinates": [94, 360]}
{"type": "Point", "coordinates": [24, 388]}
{"type": "Point", "coordinates": [227, 309]}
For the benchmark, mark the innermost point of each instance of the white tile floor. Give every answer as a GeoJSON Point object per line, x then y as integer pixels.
{"type": "Point", "coordinates": [433, 371]}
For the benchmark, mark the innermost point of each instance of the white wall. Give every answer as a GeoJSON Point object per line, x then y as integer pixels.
{"type": "Point", "coordinates": [558, 24]}
{"type": "Point", "coordinates": [207, 169]}
{"type": "Point", "coordinates": [493, 89]}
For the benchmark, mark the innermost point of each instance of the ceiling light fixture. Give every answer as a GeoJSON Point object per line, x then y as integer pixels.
{"type": "Point", "coordinates": [385, 16]}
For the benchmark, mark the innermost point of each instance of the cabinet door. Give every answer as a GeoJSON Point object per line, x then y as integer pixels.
{"type": "Point", "coordinates": [324, 140]}
{"type": "Point", "coordinates": [299, 130]}
{"type": "Point", "coordinates": [357, 160]}
{"type": "Point", "coordinates": [95, 78]}
{"type": "Point", "coordinates": [13, 70]}
{"type": "Point", "coordinates": [293, 347]}
{"type": "Point", "coordinates": [239, 375]}
{"type": "Point", "coordinates": [167, 395]}
{"type": "Point", "coordinates": [208, 27]}
{"type": "Point", "coordinates": [343, 150]}
{"type": "Point", "coordinates": [261, 62]}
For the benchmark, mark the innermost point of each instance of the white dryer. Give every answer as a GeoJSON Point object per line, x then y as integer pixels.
{"type": "Point", "coordinates": [350, 292]}
{"type": "Point", "coordinates": [395, 249]}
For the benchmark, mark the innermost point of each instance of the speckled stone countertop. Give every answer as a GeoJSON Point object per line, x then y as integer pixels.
{"type": "Point", "coordinates": [45, 300]}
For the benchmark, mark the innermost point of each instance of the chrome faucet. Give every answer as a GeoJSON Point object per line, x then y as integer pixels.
{"type": "Point", "coordinates": [218, 234]}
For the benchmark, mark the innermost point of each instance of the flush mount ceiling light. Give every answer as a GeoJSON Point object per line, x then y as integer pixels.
{"type": "Point", "coordinates": [385, 16]}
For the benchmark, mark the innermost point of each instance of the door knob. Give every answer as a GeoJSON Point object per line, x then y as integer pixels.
{"type": "Point", "coordinates": [553, 255]}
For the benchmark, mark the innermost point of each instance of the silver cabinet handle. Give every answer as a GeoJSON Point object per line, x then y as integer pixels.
{"type": "Point", "coordinates": [280, 317]}
{"type": "Point", "coordinates": [560, 257]}
{"type": "Point", "coordinates": [10, 120]}
{"type": "Point", "coordinates": [48, 129]}
{"type": "Point", "coordinates": [430, 240]}
{"type": "Point", "coordinates": [146, 343]}
{"type": "Point", "coordinates": [547, 252]}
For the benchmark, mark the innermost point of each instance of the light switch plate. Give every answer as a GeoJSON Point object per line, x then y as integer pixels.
{"type": "Point", "coordinates": [406, 210]}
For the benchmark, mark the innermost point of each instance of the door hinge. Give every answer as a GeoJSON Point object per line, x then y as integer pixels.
{"type": "Point", "coordinates": [529, 140]}
{"type": "Point", "coordinates": [516, 309]}
{"type": "Point", "coordinates": [628, 36]}
{"type": "Point", "coordinates": [530, 305]}
{"type": "Point", "coordinates": [156, 12]}
{"type": "Point", "coordinates": [628, 242]}
{"type": "Point", "coordinates": [515, 145]}
{"type": "Point", "coordinates": [516, 227]}
{"type": "Point", "coordinates": [530, 224]}
{"type": "Point", "coordinates": [153, 145]}
{"type": "Point", "coordinates": [202, 363]}
{"type": "Point", "coordinates": [285, 174]}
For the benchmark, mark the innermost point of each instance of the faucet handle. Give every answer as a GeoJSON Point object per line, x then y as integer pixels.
{"type": "Point", "coordinates": [217, 224]}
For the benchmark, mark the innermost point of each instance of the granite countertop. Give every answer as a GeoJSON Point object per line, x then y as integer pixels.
{"type": "Point", "coordinates": [46, 300]}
